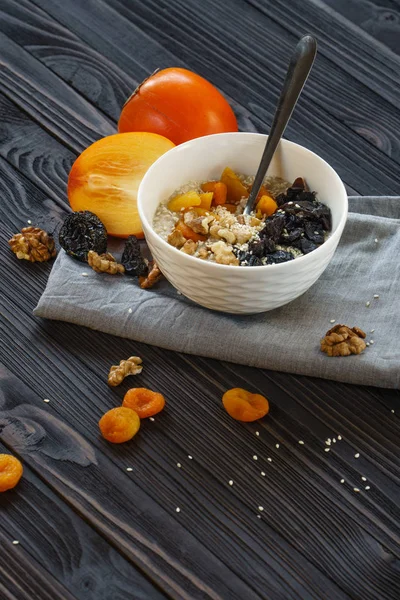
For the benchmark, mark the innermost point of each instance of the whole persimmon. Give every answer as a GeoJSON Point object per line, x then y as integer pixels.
{"type": "Point", "coordinates": [143, 401]}
{"type": "Point", "coordinates": [10, 472]}
{"type": "Point", "coordinates": [178, 104]}
{"type": "Point", "coordinates": [119, 425]}
{"type": "Point", "coordinates": [105, 179]}
{"type": "Point", "coordinates": [245, 406]}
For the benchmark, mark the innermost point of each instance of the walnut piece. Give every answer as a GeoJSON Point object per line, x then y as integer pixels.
{"type": "Point", "coordinates": [227, 235]}
{"type": "Point", "coordinates": [189, 247]}
{"type": "Point", "coordinates": [104, 263]}
{"type": "Point", "coordinates": [153, 276]}
{"type": "Point", "coordinates": [132, 366]}
{"type": "Point", "coordinates": [223, 254]}
{"type": "Point", "coordinates": [176, 238]}
{"type": "Point", "coordinates": [343, 341]}
{"type": "Point", "coordinates": [202, 251]}
{"type": "Point", "coordinates": [33, 244]}
{"type": "Point", "coordinates": [192, 220]}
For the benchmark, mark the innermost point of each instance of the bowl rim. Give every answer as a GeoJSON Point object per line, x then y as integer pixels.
{"type": "Point", "coordinates": [331, 241]}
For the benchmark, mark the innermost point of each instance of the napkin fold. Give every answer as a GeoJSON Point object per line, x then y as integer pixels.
{"type": "Point", "coordinates": [361, 286]}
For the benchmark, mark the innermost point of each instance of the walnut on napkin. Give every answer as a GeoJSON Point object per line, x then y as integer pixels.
{"type": "Point", "coordinates": [343, 341]}
{"type": "Point", "coordinates": [104, 263]}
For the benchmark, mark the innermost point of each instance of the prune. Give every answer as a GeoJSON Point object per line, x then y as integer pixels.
{"type": "Point", "coordinates": [314, 232]}
{"type": "Point", "coordinates": [273, 227]}
{"type": "Point", "coordinates": [279, 256]}
{"type": "Point", "coordinates": [83, 231]}
{"type": "Point", "coordinates": [254, 261]}
{"type": "Point", "coordinates": [291, 236]}
{"type": "Point", "coordinates": [132, 258]}
{"type": "Point", "coordinates": [305, 245]}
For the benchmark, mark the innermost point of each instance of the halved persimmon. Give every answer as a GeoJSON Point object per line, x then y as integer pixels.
{"type": "Point", "coordinates": [245, 406]}
{"type": "Point", "coordinates": [105, 178]}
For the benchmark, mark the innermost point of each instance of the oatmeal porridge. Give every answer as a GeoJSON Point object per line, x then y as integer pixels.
{"type": "Point", "coordinates": [206, 220]}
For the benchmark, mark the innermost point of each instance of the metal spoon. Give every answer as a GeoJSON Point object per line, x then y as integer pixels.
{"type": "Point", "coordinates": [298, 71]}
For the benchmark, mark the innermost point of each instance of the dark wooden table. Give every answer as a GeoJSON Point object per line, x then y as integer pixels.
{"type": "Point", "coordinates": [87, 528]}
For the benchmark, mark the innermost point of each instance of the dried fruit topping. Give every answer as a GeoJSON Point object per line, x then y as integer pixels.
{"type": "Point", "coordinates": [104, 263]}
{"type": "Point", "coordinates": [10, 472]}
{"type": "Point", "coordinates": [273, 228]}
{"type": "Point", "coordinates": [33, 244]}
{"type": "Point", "coordinates": [132, 366]}
{"type": "Point", "coordinates": [152, 278]}
{"type": "Point", "coordinates": [343, 341]}
{"type": "Point", "coordinates": [144, 402]}
{"type": "Point", "coordinates": [119, 425]}
{"type": "Point", "coordinates": [245, 406]}
{"type": "Point", "coordinates": [132, 258]}
{"type": "Point", "coordinates": [279, 256]}
{"type": "Point", "coordinates": [83, 231]}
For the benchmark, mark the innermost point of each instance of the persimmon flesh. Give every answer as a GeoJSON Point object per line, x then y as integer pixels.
{"type": "Point", "coordinates": [178, 104]}
{"type": "Point", "coordinates": [105, 178]}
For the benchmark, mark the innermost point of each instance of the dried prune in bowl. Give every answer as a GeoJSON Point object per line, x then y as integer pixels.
{"type": "Point", "coordinates": [132, 259]}
{"type": "Point", "coordinates": [279, 256]}
{"type": "Point", "coordinates": [83, 231]}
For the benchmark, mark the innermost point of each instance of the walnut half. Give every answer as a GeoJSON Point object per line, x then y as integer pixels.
{"type": "Point", "coordinates": [343, 341]}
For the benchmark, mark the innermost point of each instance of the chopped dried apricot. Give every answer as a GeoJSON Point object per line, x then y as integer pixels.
{"type": "Point", "coordinates": [206, 200]}
{"type": "Point", "coordinates": [235, 188]}
{"type": "Point", "coordinates": [266, 206]}
{"type": "Point", "coordinates": [220, 193]}
{"type": "Point", "coordinates": [231, 207]}
{"type": "Point", "coordinates": [208, 186]}
{"type": "Point", "coordinates": [10, 472]}
{"type": "Point", "coordinates": [188, 233]}
{"type": "Point", "coordinates": [245, 406]}
{"type": "Point", "coordinates": [191, 198]}
{"type": "Point", "coordinates": [119, 425]}
{"type": "Point", "coordinates": [263, 191]}
{"type": "Point", "coordinates": [143, 401]}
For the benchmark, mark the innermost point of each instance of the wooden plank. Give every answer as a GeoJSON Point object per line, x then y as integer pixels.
{"type": "Point", "coordinates": [362, 166]}
{"type": "Point", "coordinates": [59, 556]}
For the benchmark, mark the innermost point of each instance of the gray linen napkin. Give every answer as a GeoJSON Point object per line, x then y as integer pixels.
{"type": "Point", "coordinates": [365, 264]}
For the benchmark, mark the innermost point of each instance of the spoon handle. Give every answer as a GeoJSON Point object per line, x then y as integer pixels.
{"type": "Point", "coordinates": [298, 71]}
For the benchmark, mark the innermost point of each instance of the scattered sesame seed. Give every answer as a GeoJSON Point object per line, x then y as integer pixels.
{"type": "Point", "coordinates": [332, 321]}
{"type": "Point", "coordinates": [364, 478]}
{"type": "Point", "coordinates": [376, 240]}
{"type": "Point", "coordinates": [339, 437]}
{"type": "Point", "coordinates": [255, 457]}
{"type": "Point", "coordinates": [29, 221]}
{"type": "Point", "coordinates": [367, 303]}
{"type": "Point", "coordinates": [327, 449]}
{"type": "Point", "coordinates": [16, 542]}
{"type": "Point", "coordinates": [129, 469]}
{"type": "Point", "coordinates": [230, 482]}
{"type": "Point", "coordinates": [84, 275]}
{"type": "Point", "coordinates": [356, 490]}
{"type": "Point", "coordinates": [260, 508]}
{"type": "Point", "coordinates": [367, 344]}
{"type": "Point", "coordinates": [262, 474]}
{"type": "Point", "coordinates": [371, 341]}
{"type": "Point", "coordinates": [334, 440]}
{"type": "Point", "coordinates": [342, 481]}
{"type": "Point", "coordinates": [269, 459]}
{"type": "Point", "coordinates": [178, 465]}
{"type": "Point", "coordinates": [301, 442]}
{"type": "Point", "coordinates": [178, 509]}
{"type": "Point", "coordinates": [152, 419]}
{"type": "Point", "coordinates": [46, 400]}
{"type": "Point", "coordinates": [392, 411]}
{"type": "Point", "coordinates": [258, 516]}
{"type": "Point", "coordinates": [372, 330]}
{"type": "Point", "coordinates": [190, 457]}
{"type": "Point", "coordinates": [357, 455]}
{"type": "Point", "coordinates": [129, 310]}
{"type": "Point", "coordinates": [376, 296]}
{"type": "Point", "coordinates": [276, 445]}
{"type": "Point", "coordinates": [257, 433]}
{"type": "Point", "coordinates": [328, 442]}
{"type": "Point", "coordinates": [367, 487]}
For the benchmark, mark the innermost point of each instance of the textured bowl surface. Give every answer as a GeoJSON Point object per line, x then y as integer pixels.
{"type": "Point", "coordinates": [241, 290]}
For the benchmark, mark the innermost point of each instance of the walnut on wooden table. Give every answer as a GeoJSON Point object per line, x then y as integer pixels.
{"type": "Point", "coordinates": [343, 341]}
{"type": "Point", "coordinates": [132, 366]}
{"type": "Point", "coordinates": [33, 244]}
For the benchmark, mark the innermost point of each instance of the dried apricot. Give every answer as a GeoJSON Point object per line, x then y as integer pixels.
{"type": "Point", "coordinates": [143, 401]}
{"type": "Point", "coordinates": [119, 425]}
{"type": "Point", "coordinates": [206, 200]}
{"type": "Point", "coordinates": [266, 206]}
{"type": "Point", "coordinates": [10, 472]}
{"type": "Point", "coordinates": [245, 406]}
{"type": "Point", "coordinates": [220, 193]}
{"type": "Point", "coordinates": [191, 198]}
{"type": "Point", "coordinates": [235, 188]}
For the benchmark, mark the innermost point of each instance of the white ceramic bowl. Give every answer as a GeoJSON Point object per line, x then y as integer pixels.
{"type": "Point", "coordinates": [241, 290]}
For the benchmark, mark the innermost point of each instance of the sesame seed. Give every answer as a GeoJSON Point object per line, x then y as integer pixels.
{"type": "Point", "coordinates": [258, 516]}
{"type": "Point", "coordinates": [372, 330]}
{"type": "Point", "coordinates": [129, 310]}
{"type": "Point", "coordinates": [327, 449]}
{"type": "Point", "coordinates": [190, 457]}
{"type": "Point", "coordinates": [230, 482]}
{"type": "Point", "coordinates": [367, 303]}
{"type": "Point", "coordinates": [334, 440]}
{"type": "Point", "coordinates": [328, 442]}
{"type": "Point", "coordinates": [364, 478]}
{"type": "Point", "coordinates": [301, 442]}
{"type": "Point", "coordinates": [371, 341]}
{"type": "Point", "coordinates": [357, 455]}
{"type": "Point", "coordinates": [367, 344]}
{"type": "Point", "coordinates": [255, 457]}
{"type": "Point", "coordinates": [84, 275]}
{"type": "Point", "coordinates": [152, 419]}
{"type": "Point", "coordinates": [392, 411]}
{"type": "Point", "coordinates": [257, 433]}
{"type": "Point", "coordinates": [269, 459]}
{"type": "Point", "coordinates": [376, 296]}
{"type": "Point", "coordinates": [276, 445]}
{"type": "Point", "coordinates": [339, 437]}
{"type": "Point", "coordinates": [16, 542]}
{"type": "Point", "coordinates": [129, 469]}
{"type": "Point", "coordinates": [356, 490]}
{"type": "Point", "coordinates": [46, 400]}
{"type": "Point", "coordinates": [29, 221]}
{"type": "Point", "coordinates": [367, 487]}
{"type": "Point", "coordinates": [376, 240]}
{"type": "Point", "coordinates": [262, 474]}
{"type": "Point", "coordinates": [342, 481]}
{"type": "Point", "coordinates": [178, 509]}
{"type": "Point", "coordinates": [332, 321]}
{"type": "Point", "coordinates": [178, 465]}
{"type": "Point", "coordinates": [260, 508]}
